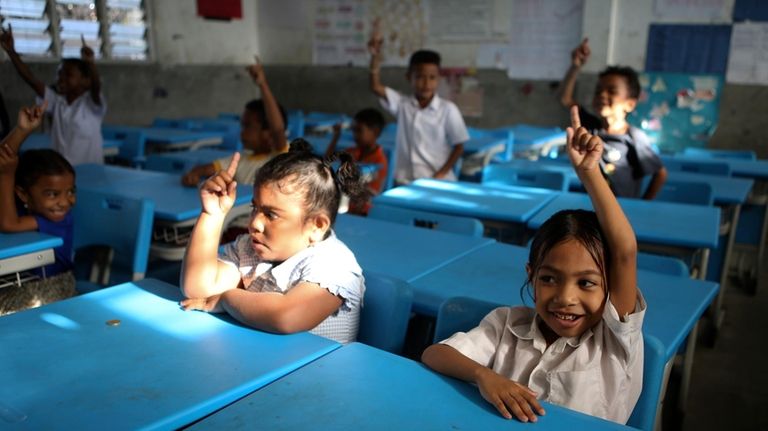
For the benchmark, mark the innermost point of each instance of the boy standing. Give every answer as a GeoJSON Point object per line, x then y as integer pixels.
{"type": "Point", "coordinates": [430, 131]}
{"type": "Point", "coordinates": [628, 156]}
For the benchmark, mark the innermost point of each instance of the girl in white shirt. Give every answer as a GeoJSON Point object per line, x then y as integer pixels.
{"type": "Point", "coordinates": [581, 347]}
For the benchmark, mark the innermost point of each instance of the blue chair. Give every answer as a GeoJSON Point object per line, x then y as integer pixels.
{"type": "Point", "coordinates": [462, 314]}
{"type": "Point", "coordinates": [386, 312]}
{"type": "Point", "coordinates": [442, 222]}
{"type": "Point", "coordinates": [720, 154]}
{"type": "Point", "coordinates": [133, 149]}
{"type": "Point", "coordinates": [662, 264]}
{"type": "Point", "coordinates": [230, 138]}
{"type": "Point", "coordinates": [710, 167]}
{"type": "Point", "coordinates": [295, 124]}
{"type": "Point", "coordinates": [122, 224]}
{"type": "Point", "coordinates": [501, 175]}
{"type": "Point", "coordinates": [229, 116]}
{"type": "Point", "coordinates": [390, 180]}
{"type": "Point", "coordinates": [686, 192]}
{"type": "Point", "coordinates": [173, 123]}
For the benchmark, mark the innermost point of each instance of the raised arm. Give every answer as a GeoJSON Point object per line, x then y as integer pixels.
{"type": "Point", "coordinates": [202, 275]}
{"type": "Point", "coordinates": [10, 221]}
{"type": "Point", "coordinates": [334, 140]}
{"type": "Point", "coordinates": [6, 41]}
{"type": "Point", "coordinates": [274, 118]}
{"type": "Point", "coordinates": [87, 55]}
{"type": "Point", "coordinates": [374, 48]}
{"type": "Point", "coordinates": [585, 151]}
{"type": "Point", "coordinates": [579, 57]}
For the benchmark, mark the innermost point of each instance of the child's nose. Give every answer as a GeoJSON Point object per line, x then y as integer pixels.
{"type": "Point", "coordinates": [257, 222]}
{"type": "Point", "coordinates": [566, 294]}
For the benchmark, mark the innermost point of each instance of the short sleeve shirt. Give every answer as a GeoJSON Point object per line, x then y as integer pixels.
{"type": "Point", "coordinates": [64, 254]}
{"type": "Point", "coordinates": [329, 264]}
{"type": "Point", "coordinates": [425, 137]}
{"type": "Point", "coordinates": [76, 129]}
{"type": "Point", "coordinates": [599, 373]}
{"type": "Point", "coordinates": [627, 158]}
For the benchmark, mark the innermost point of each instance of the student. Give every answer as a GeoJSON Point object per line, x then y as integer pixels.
{"type": "Point", "coordinates": [628, 156]}
{"type": "Point", "coordinates": [77, 103]}
{"type": "Point", "coordinates": [262, 131]}
{"type": "Point", "coordinates": [44, 184]}
{"type": "Point", "coordinates": [289, 273]}
{"type": "Point", "coordinates": [366, 129]}
{"type": "Point", "coordinates": [430, 131]}
{"type": "Point", "coordinates": [582, 346]}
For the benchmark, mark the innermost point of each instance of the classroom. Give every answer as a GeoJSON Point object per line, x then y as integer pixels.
{"type": "Point", "coordinates": [383, 214]}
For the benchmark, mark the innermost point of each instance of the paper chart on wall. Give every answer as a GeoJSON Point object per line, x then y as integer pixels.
{"type": "Point", "coordinates": [460, 19]}
{"type": "Point", "coordinates": [541, 37]}
{"type": "Point", "coordinates": [748, 59]}
{"type": "Point", "coordinates": [692, 9]}
{"type": "Point", "coordinates": [340, 32]}
{"type": "Point", "coordinates": [403, 26]}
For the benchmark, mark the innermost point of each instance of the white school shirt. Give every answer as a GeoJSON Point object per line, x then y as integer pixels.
{"type": "Point", "coordinates": [328, 263]}
{"type": "Point", "coordinates": [599, 373]}
{"type": "Point", "coordinates": [425, 137]}
{"type": "Point", "coordinates": [76, 130]}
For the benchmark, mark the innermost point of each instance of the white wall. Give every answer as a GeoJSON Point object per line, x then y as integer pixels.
{"type": "Point", "coordinates": [182, 37]}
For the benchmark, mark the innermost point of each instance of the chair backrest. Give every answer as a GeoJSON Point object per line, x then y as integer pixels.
{"type": "Point", "coordinates": [173, 123]}
{"type": "Point", "coordinates": [386, 312]}
{"type": "Point", "coordinates": [686, 192]}
{"type": "Point", "coordinates": [500, 174]}
{"type": "Point", "coordinates": [720, 154]}
{"type": "Point", "coordinates": [123, 224]}
{"type": "Point", "coordinates": [134, 142]}
{"type": "Point", "coordinates": [460, 314]}
{"type": "Point", "coordinates": [644, 414]}
{"type": "Point", "coordinates": [156, 162]}
{"type": "Point", "coordinates": [442, 222]}
{"type": "Point", "coordinates": [390, 180]}
{"type": "Point", "coordinates": [295, 124]}
{"type": "Point", "coordinates": [662, 264]}
{"type": "Point", "coordinates": [710, 167]}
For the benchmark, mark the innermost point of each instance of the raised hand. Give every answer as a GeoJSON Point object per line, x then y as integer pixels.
{"type": "Point", "coordinates": [257, 72]}
{"type": "Point", "coordinates": [218, 192]}
{"type": "Point", "coordinates": [584, 148]}
{"type": "Point", "coordinates": [86, 53]}
{"type": "Point", "coordinates": [376, 41]}
{"type": "Point", "coordinates": [8, 161]}
{"type": "Point", "coordinates": [31, 117]}
{"type": "Point", "coordinates": [6, 39]}
{"type": "Point", "coordinates": [580, 54]}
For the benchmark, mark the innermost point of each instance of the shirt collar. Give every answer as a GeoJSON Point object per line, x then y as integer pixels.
{"type": "Point", "coordinates": [531, 331]}
{"type": "Point", "coordinates": [434, 104]}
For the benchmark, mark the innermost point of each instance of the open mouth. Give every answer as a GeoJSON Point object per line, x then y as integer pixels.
{"type": "Point", "coordinates": [567, 319]}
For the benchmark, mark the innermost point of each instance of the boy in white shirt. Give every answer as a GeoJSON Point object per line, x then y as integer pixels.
{"type": "Point", "coordinates": [430, 130]}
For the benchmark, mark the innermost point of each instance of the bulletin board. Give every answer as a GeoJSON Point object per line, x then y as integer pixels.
{"type": "Point", "coordinates": [678, 110]}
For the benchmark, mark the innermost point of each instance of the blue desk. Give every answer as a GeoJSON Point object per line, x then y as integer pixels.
{"type": "Point", "coordinates": [401, 251]}
{"type": "Point", "coordinates": [361, 388]}
{"type": "Point", "coordinates": [26, 250]}
{"type": "Point", "coordinates": [64, 367]}
{"type": "Point", "coordinates": [166, 139]}
{"type": "Point", "coordinates": [534, 141]}
{"type": "Point", "coordinates": [726, 190]}
{"type": "Point", "coordinates": [180, 162]}
{"type": "Point", "coordinates": [316, 121]}
{"type": "Point", "coordinates": [506, 208]}
{"type": "Point", "coordinates": [756, 169]}
{"type": "Point", "coordinates": [42, 141]}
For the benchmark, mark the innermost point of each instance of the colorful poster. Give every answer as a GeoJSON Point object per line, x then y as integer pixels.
{"type": "Point", "coordinates": [340, 35]}
{"type": "Point", "coordinates": [403, 26]}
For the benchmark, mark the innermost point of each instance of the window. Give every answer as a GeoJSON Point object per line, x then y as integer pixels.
{"type": "Point", "coordinates": [115, 29]}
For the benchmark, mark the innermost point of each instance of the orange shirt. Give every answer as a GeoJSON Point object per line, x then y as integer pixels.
{"type": "Point", "coordinates": [375, 156]}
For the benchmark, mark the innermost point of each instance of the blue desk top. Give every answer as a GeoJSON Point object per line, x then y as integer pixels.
{"type": "Point", "coordinates": [359, 387]}
{"type": "Point", "coordinates": [314, 120]}
{"type": "Point", "coordinates": [727, 190]}
{"type": "Point", "coordinates": [182, 161]}
{"type": "Point", "coordinates": [482, 144]}
{"type": "Point", "coordinates": [757, 169]}
{"type": "Point", "coordinates": [529, 137]}
{"type": "Point", "coordinates": [402, 251]}
{"type": "Point", "coordinates": [508, 204]}
{"type": "Point", "coordinates": [42, 141]}
{"type": "Point", "coordinates": [64, 367]}
{"type": "Point", "coordinates": [654, 222]}
{"type": "Point", "coordinates": [173, 202]}
{"type": "Point", "coordinates": [168, 136]}
{"type": "Point", "coordinates": [496, 272]}
{"type": "Point", "coordinates": [16, 244]}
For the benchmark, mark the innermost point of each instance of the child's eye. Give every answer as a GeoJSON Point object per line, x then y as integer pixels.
{"type": "Point", "coordinates": [272, 216]}
{"type": "Point", "coordinates": [586, 284]}
{"type": "Point", "coordinates": [548, 279]}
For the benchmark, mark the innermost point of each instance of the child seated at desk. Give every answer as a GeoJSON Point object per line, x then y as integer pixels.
{"type": "Point", "coordinates": [262, 131]}
{"type": "Point", "coordinates": [366, 128]}
{"type": "Point", "coordinates": [582, 345]}
{"type": "Point", "coordinates": [289, 273]}
{"type": "Point", "coordinates": [430, 130]}
{"type": "Point", "coordinates": [44, 183]}
{"type": "Point", "coordinates": [76, 103]}
{"type": "Point", "coordinates": [628, 155]}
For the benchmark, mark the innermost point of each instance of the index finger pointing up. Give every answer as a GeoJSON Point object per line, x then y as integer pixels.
{"type": "Point", "coordinates": [575, 119]}
{"type": "Point", "coordinates": [233, 164]}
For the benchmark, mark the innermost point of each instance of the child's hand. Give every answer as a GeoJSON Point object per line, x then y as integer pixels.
{"type": "Point", "coordinates": [584, 148]}
{"type": "Point", "coordinates": [211, 304]}
{"type": "Point", "coordinates": [219, 191]}
{"type": "Point", "coordinates": [6, 39]}
{"type": "Point", "coordinates": [257, 72]}
{"type": "Point", "coordinates": [86, 53]}
{"type": "Point", "coordinates": [31, 117]}
{"type": "Point", "coordinates": [376, 41]}
{"type": "Point", "coordinates": [190, 179]}
{"type": "Point", "coordinates": [8, 161]}
{"type": "Point", "coordinates": [509, 397]}
{"type": "Point", "coordinates": [580, 54]}
{"type": "Point", "coordinates": [337, 130]}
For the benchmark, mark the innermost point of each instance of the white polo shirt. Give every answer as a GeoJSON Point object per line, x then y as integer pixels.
{"type": "Point", "coordinates": [76, 130]}
{"type": "Point", "coordinates": [425, 136]}
{"type": "Point", "coordinates": [599, 373]}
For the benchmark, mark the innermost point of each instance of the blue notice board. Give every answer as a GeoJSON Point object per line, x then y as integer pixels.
{"type": "Point", "coordinates": [678, 110]}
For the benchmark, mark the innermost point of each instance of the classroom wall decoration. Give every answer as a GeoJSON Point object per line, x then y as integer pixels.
{"type": "Point", "coordinates": [340, 32]}
{"type": "Point", "coordinates": [678, 110]}
{"type": "Point", "coordinates": [403, 25]}
{"type": "Point", "coordinates": [220, 9]}
{"type": "Point", "coordinates": [687, 48]}
{"type": "Point", "coordinates": [690, 9]}
{"type": "Point", "coordinates": [748, 61]}
{"type": "Point", "coordinates": [460, 19]}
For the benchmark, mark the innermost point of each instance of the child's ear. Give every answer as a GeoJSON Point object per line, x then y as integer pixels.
{"type": "Point", "coordinates": [529, 273]}
{"type": "Point", "coordinates": [319, 225]}
{"type": "Point", "coordinates": [22, 195]}
{"type": "Point", "coordinates": [631, 105]}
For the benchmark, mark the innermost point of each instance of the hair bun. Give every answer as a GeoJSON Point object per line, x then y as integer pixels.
{"type": "Point", "coordinates": [299, 145]}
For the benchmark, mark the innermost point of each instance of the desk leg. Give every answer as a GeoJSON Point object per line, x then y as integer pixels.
{"type": "Point", "coordinates": [719, 309]}
{"type": "Point", "coordinates": [685, 384]}
{"type": "Point", "coordinates": [663, 394]}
